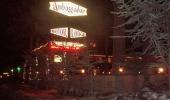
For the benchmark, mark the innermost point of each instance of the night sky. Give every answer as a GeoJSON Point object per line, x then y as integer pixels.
{"type": "Point", "coordinates": [23, 21]}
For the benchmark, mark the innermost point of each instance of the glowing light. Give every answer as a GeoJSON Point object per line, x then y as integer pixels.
{"type": "Point", "coordinates": [63, 32]}
{"type": "Point", "coordinates": [18, 69]}
{"type": "Point", "coordinates": [0, 76]}
{"type": "Point", "coordinates": [94, 72]}
{"type": "Point", "coordinates": [74, 33]}
{"type": "Point", "coordinates": [77, 48]}
{"type": "Point", "coordinates": [161, 70]}
{"type": "Point", "coordinates": [82, 71]}
{"type": "Point", "coordinates": [109, 73]}
{"type": "Point", "coordinates": [129, 57]}
{"type": "Point", "coordinates": [94, 45]}
{"type": "Point", "coordinates": [61, 72]}
{"type": "Point", "coordinates": [39, 79]}
{"type": "Point", "coordinates": [57, 58]}
{"type": "Point", "coordinates": [5, 73]}
{"type": "Point", "coordinates": [140, 58]}
{"type": "Point", "coordinates": [121, 70]}
{"type": "Point", "coordinates": [54, 47]}
{"type": "Point", "coordinates": [68, 44]}
{"type": "Point", "coordinates": [37, 72]}
{"type": "Point", "coordinates": [109, 60]}
{"type": "Point", "coordinates": [12, 70]}
{"type": "Point", "coordinates": [68, 8]}
{"type": "Point", "coordinates": [42, 46]}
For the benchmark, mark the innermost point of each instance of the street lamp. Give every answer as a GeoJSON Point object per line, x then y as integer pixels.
{"type": "Point", "coordinates": [61, 72]}
{"type": "Point", "coordinates": [82, 71]}
{"type": "Point", "coordinates": [12, 71]}
{"type": "Point", "coordinates": [121, 70]}
{"type": "Point", "coordinates": [160, 70]}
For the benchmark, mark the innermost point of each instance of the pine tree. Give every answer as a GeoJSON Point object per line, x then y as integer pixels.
{"type": "Point", "coordinates": [149, 23]}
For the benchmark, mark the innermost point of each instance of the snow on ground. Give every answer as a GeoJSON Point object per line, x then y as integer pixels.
{"type": "Point", "coordinates": [144, 94]}
{"type": "Point", "coordinates": [25, 92]}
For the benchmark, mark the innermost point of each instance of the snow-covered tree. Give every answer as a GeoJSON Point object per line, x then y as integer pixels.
{"type": "Point", "coordinates": [149, 22]}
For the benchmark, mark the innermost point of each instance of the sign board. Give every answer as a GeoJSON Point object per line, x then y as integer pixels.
{"type": "Point", "coordinates": [63, 32]}
{"type": "Point", "coordinates": [74, 33]}
{"type": "Point", "coordinates": [68, 44]}
{"type": "Point", "coordinates": [68, 8]}
{"type": "Point", "coordinates": [57, 58]}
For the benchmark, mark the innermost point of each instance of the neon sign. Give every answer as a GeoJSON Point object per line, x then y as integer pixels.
{"type": "Point", "coordinates": [74, 33]}
{"type": "Point", "coordinates": [63, 32]}
{"type": "Point", "coordinates": [66, 46]}
{"type": "Point", "coordinates": [68, 8]}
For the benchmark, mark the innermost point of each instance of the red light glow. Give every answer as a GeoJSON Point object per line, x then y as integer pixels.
{"type": "Point", "coordinates": [66, 46]}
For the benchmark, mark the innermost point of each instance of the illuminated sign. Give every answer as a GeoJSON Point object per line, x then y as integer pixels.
{"type": "Point", "coordinates": [68, 8]}
{"type": "Point", "coordinates": [68, 44]}
{"type": "Point", "coordinates": [63, 32]}
{"type": "Point", "coordinates": [74, 33]}
{"type": "Point", "coordinates": [57, 58]}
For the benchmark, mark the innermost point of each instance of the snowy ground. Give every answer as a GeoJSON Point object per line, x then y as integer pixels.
{"type": "Point", "coordinates": [24, 92]}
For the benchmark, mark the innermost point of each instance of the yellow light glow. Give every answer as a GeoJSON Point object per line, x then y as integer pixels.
{"type": "Point", "coordinates": [68, 8]}
{"type": "Point", "coordinates": [161, 70]}
{"type": "Point", "coordinates": [121, 70]}
{"type": "Point", "coordinates": [74, 33]}
{"type": "Point", "coordinates": [94, 72]}
{"type": "Point", "coordinates": [57, 58]}
{"type": "Point", "coordinates": [82, 71]}
{"type": "Point", "coordinates": [63, 32]}
{"type": "Point", "coordinates": [61, 72]}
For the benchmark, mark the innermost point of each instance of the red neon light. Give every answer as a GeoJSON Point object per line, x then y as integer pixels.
{"type": "Point", "coordinates": [69, 49]}
{"type": "Point", "coordinates": [64, 48]}
{"type": "Point", "coordinates": [54, 47]}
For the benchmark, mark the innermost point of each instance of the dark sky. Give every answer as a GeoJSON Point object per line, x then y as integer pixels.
{"type": "Point", "coordinates": [23, 21]}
